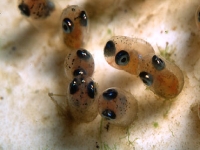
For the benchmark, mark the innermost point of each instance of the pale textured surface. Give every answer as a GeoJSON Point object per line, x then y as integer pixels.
{"type": "Point", "coordinates": [31, 65]}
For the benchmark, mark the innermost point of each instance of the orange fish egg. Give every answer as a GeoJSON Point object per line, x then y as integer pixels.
{"type": "Point", "coordinates": [36, 9]}
{"type": "Point", "coordinates": [74, 24]}
{"type": "Point", "coordinates": [124, 53]}
{"type": "Point", "coordinates": [79, 62]}
{"type": "Point", "coordinates": [197, 17]}
{"type": "Point", "coordinates": [81, 99]}
{"type": "Point", "coordinates": [161, 76]}
{"type": "Point", "coordinates": [117, 106]}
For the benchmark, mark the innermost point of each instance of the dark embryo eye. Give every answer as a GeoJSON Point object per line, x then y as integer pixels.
{"type": "Point", "coordinates": [122, 58]}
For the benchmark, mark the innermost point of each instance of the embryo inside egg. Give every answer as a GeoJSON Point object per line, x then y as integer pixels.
{"type": "Point", "coordinates": [81, 99]}
{"type": "Point", "coordinates": [117, 106]}
{"type": "Point", "coordinates": [74, 26]}
{"type": "Point", "coordinates": [163, 77]}
{"type": "Point", "coordinates": [79, 62]}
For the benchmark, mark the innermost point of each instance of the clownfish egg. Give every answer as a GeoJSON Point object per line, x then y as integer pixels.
{"type": "Point", "coordinates": [161, 76]}
{"type": "Point", "coordinates": [81, 99]}
{"type": "Point", "coordinates": [117, 106]}
{"type": "Point", "coordinates": [79, 62]}
{"type": "Point", "coordinates": [74, 25]}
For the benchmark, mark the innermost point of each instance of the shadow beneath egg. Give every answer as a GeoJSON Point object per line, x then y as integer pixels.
{"type": "Point", "coordinates": [18, 46]}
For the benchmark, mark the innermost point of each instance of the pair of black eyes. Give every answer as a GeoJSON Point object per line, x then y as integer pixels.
{"type": "Point", "coordinates": [122, 58]}
{"type": "Point", "coordinates": [84, 55]}
{"type": "Point", "coordinates": [74, 87]}
{"type": "Point", "coordinates": [68, 24]}
{"type": "Point", "coordinates": [109, 94]}
{"type": "Point", "coordinates": [158, 64]}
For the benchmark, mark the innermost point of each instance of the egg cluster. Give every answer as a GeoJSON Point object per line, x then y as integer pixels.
{"type": "Point", "coordinates": [81, 94]}
{"type": "Point", "coordinates": [132, 55]}
{"type": "Point", "coordinates": [137, 57]}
